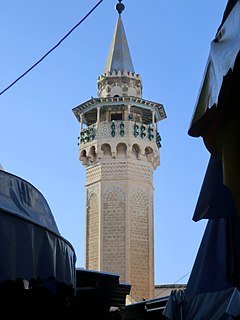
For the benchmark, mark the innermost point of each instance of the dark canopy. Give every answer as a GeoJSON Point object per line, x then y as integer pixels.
{"type": "Point", "coordinates": [31, 245]}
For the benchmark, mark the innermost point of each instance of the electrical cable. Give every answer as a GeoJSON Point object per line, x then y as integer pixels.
{"type": "Point", "coordinates": [53, 48]}
{"type": "Point", "coordinates": [165, 289]}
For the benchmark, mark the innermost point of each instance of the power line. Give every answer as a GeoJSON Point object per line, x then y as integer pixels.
{"type": "Point", "coordinates": [53, 48]}
{"type": "Point", "coordinates": [181, 278]}
{"type": "Point", "coordinates": [165, 289]}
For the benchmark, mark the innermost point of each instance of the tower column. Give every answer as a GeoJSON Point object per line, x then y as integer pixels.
{"type": "Point", "coordinates": [120, 157]}
{"type": "Point", "coordinates": [98, 115]}
{"type": "Point", "coordinates": [129, 109]}
{"type": "Point", "coordinates": [81, 122]}
{"type": "Point", "coordinates": [153, 117]}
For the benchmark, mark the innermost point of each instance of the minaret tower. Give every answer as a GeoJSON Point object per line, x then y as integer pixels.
{"type": "Point", "coordinates": [119, 147]}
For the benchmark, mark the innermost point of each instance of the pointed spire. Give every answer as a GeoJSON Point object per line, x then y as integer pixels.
{"type": "Point", "coordinates": [119, 57]}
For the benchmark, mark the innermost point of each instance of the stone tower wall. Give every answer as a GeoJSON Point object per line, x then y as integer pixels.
{"type": "Point", "coordinates": [114, 230]}
{"type": "Point", "coordinates": [140, 235]}
{"type": "Point", "coordinates": [123, 223]}
{"type": "Point", "coordinates": [92, 229]}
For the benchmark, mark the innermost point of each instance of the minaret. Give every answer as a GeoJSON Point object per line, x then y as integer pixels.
{"type": "Point", "coordinates": [119, 147]}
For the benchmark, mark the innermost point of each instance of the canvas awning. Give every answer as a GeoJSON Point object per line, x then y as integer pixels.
{"type": "Point", "coordinates": [224, 50]}
{"type": "Point", "coordinates": [31, 245]}
{"type": "Point", "coordinates": [219, 305]}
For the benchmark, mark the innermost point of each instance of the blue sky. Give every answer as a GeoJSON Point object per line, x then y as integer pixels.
{"type": "Point", "coordinates": [169, 43]}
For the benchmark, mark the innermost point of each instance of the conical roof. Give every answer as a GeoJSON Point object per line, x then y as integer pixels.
{"type": "Point", "coordinates": [119, 57]}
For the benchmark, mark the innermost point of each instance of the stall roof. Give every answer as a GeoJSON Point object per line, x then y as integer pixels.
{"type": "Point", "coordinates": [219, 86]}
{"type": "Point", "coordinates": [31, 245]}
{"type": "Point", "coordinates": [147, 309]}
{"type": "Point", "coordinates": [101, 286]}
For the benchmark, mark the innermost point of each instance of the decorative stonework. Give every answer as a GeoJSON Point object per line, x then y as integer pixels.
{"type": "Point", "coordinates": [139, 243]}
{"type": "Point", "coordinates": [92, 232]}
{"type": "Point", "coordinates": [93, 189]}
{"type": "Point", "coordinates": [104, 130]}
{"type": "Point", "coordinates": [126, 170]}
{"type": "Point", "coordinates": [114, 232]}
{"type": "Point", "coordinates": [114, 194]}
{"type": "Point", "coordinates": [123, 147]}
{"type": "Point", "coordinates": [121, 84]}
{"type": "Point", "coordinates": [93, 174]}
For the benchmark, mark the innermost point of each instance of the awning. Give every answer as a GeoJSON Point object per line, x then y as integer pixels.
{"type": "Point", "coordinates": [222, 58]}
{"type": "Point", "coordinates": [31, 245]}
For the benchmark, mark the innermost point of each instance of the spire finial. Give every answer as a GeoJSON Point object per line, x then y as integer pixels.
{"type": "Point", "coordinates": [120, 7]}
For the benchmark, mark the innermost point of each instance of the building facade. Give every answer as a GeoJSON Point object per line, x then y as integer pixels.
{"type": "Point", "coordinates": [119, 146]}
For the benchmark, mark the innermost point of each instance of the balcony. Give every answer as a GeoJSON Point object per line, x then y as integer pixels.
{"type": "Point", "coordinates": [119, 129]}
